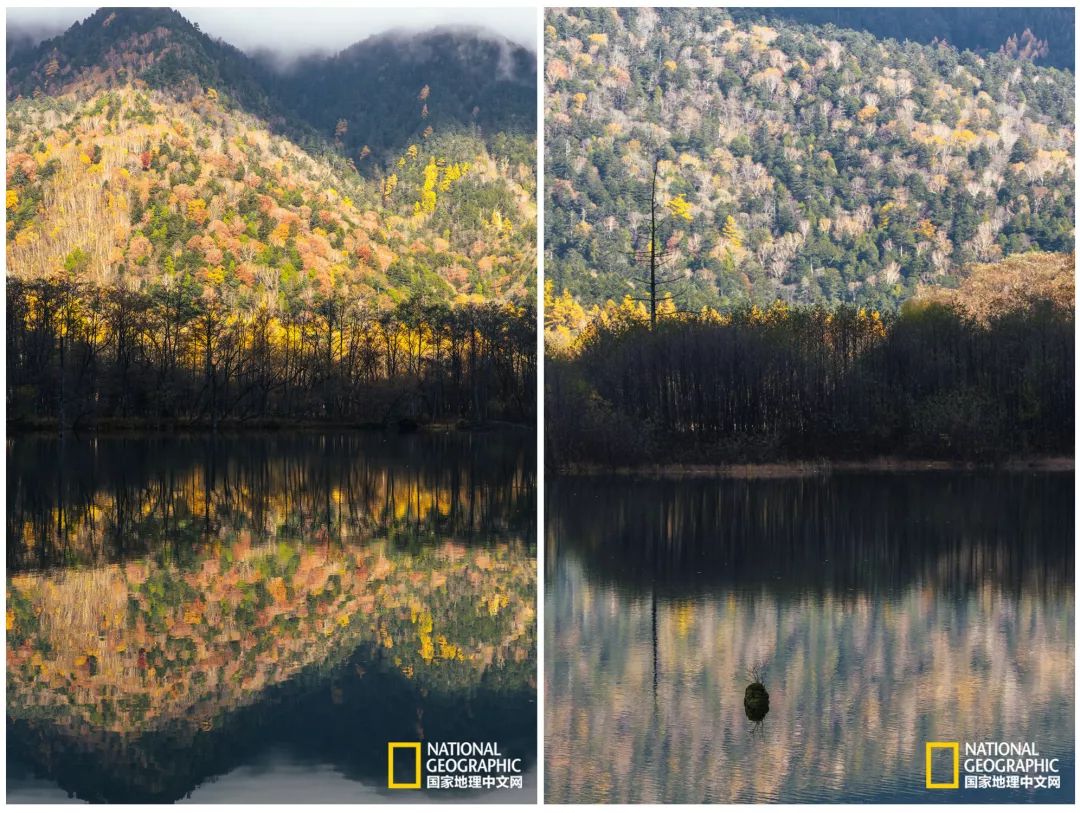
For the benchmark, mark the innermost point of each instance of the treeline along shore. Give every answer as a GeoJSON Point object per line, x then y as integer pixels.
{"type": "Point", "coordinates": [80, 355]}
{"type": "Point", "coordinates": [936, 380]}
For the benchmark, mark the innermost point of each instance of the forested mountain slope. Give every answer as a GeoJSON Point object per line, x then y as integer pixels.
{"type": "Point", "coordinates": [390, 89]}
{"type": "Point", "coordinates": [382, 93]}
{"type": "Point", "coordinates": [970, 29]}
{"type": "Point", "coordinates": [136, 188]}
{"type": "Point", "coordinates": [120, 181]}
{"type": "Point", "coordinates": [156, 46]}
{"type": "Point", "coordinates": [182, 245]}
{"type": "Point", "coordinates": [811, 164]}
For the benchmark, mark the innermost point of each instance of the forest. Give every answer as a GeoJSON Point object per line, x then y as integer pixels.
{"type": "Point", "coordinates": [162, 591]}
{"type": "Point", "coordinates": [810, 164]}
{"type": "Point", "coordinates": [179, 253]}
{"type": "Point", "coordinates": [82, 356]}
{"type": "Point", "coordinates": [478, 81]}
{"type": "Point", "coordinates": [1050, 32]}
{"type": "Point", "coordinates": [938, 380]}
{"type": "Point", "coordinates": [783, 237]}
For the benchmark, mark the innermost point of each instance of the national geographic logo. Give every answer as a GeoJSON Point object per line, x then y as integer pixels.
{"type": "Point", "coordinates": [411, 751]}
{"type": "Point", "coordinates": [991, 765]}
{"type": "Point", "coordinates": [953, 748]}
{"type": "Point", "coordinates": [451, 766]}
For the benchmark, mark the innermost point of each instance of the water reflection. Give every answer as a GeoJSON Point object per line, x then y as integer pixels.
{"type": "Point", "coordinates": [877, 612]}
{"type": "Point", "coordinates": [103, 500]}
{"type": "Point", "coordinates": [178, 606]}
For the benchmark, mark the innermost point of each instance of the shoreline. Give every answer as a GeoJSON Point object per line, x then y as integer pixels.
{"type": "Point", "coordinates": [233, 427]}
{"type": "Point", "coordinates": [813, 468]}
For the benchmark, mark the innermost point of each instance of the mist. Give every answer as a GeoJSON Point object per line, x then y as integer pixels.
{"type": "Point", "coordinates": [281, 36]}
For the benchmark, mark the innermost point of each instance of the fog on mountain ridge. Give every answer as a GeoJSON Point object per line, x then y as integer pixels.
{"type": "Point", "coordinates": [294, 33]}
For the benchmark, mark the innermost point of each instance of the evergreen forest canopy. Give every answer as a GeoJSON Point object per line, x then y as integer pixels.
{"type": "Point", "coordinates": [187, 242]}
{"type": "Point", "coordinates": [807, 164]}
{"type": "Point", "coordinates": [1050, 32]}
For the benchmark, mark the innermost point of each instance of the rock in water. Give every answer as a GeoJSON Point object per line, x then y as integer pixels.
{"type": "Point", "coordinates": [756, 702]}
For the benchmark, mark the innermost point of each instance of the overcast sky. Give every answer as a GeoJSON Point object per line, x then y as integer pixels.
{"type": "Point", "coordinates": [293, 31]}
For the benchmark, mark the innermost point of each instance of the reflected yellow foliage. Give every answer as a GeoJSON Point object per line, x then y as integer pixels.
{"type": "Point", "coordinates": [130, 648]}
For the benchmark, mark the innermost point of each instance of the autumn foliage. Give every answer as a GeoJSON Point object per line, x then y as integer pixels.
{"type": "Point", "coordinates": [172, 260]}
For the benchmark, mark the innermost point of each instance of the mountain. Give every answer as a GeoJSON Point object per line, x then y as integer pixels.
{"type": "Point", "coordinates": [186, 247]}
{"type": "Point", "coordinates": [387, 90]}
{"type": "Point", "coordinates": [471, 80]}
{"type": "Point", "coordinates": [156, 46]}
{"type": "Point", "coordinates": [141, 150]}
{"type": "Point", "coordinates": [970, 29]}
{"type": "Point", "coordinates": [812, 164]}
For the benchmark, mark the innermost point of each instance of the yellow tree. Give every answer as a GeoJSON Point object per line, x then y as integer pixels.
{"type": "Point", "coordinates": [427, 193]}
{"type": "Point", "coordinates": [680, 208]}
{"type": "Point", "coordinates": [389, 185]}
{"type": "Point", "coordinates": [564, 319]}
{"type": "Point", "coordinates": [732, 234]}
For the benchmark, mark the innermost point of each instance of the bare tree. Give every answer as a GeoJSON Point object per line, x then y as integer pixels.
{"type": "Point", "coordinates": [658, 259]}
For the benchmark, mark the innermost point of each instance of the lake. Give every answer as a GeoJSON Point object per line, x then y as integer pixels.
{"type": "Point", "coordinates": [254, 617]}
{"type": "Point", "coordinates": [880, 611]}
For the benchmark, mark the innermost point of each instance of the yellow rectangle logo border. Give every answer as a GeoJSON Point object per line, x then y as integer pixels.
{"type": "Point", "coordinates": [955, 748]}
{"type": "Point", "coordinates": [390, 783]}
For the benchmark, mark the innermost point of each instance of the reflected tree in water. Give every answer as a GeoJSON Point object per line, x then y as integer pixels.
{"type": "Point", "coordinates": [169, 600]}
{"type": "Point", "coordinates": [888, 608]}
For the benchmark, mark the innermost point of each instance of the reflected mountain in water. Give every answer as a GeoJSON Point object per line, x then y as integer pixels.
{"type": "Point", "coordinates": [77, 502]}
{"type": "Point", "coordinates": [326, 595]}
{"type": "Point", "coordinates": [889, 609]}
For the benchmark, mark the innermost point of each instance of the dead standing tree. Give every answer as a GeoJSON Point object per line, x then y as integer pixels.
{"type": "Point", "coordinates": [659, 259]}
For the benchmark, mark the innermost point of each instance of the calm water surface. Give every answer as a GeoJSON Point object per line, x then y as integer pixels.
{"type": "Point", "coordinates": [252, 618]}
{"type": "Point", "coordinates": [880, 611]}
